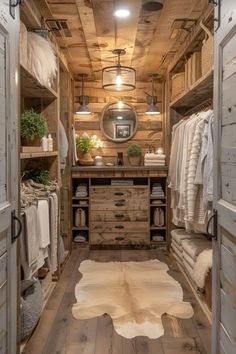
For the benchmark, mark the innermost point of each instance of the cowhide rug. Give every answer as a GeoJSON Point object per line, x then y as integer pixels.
{"type": "Point", "coordinates": [134, 294]}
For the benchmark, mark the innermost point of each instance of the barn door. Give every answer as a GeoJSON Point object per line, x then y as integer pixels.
{"type": "Point", "coordinates": [9, 31]}
{"type": "Point", "coordinates": [224, 264]}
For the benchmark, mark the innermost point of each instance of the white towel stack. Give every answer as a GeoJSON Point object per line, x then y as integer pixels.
{"type": "Point", "coordinates": [151, 159]}
{"type": "Point", "coordinates": [157, 191]}
{"type": "Point", "coordinates": [81, 191]}
{"type": "Point", "coordinates": [80, 237]}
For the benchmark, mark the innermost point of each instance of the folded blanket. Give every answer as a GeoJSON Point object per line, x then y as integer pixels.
{"type": "Point", "coordinates": [202, 267]}
{"type": "Point", "coordinates": [189, 270]}
{"type": "Point", "coordinates": [188, 259]}
{"type": "Point", "coordinates": [176, 250]}
{"type": "Point", "coordinates": [181, 234]}
{"type": "Point", "coordinates": [177, 245]}
{"type": "Point", "coordinates": [194, 247]}
{"type": "Point", "coordinates": [179, 260]}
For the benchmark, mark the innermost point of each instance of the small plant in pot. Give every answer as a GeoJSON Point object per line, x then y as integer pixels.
{"type": "Point", "coordinates": [134, 154]}
{"type": "Point", "coordinates": [33, 128]}
{"type": "Point", "coordinates": [84, 145]}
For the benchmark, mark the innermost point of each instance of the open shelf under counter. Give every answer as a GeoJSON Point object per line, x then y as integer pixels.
{"type": "Point", "coordinates": [33, 155]}
{"type": "Point", "coordinates": [199, 92]}
{"type": "Point", "coordinates": [30, 86]}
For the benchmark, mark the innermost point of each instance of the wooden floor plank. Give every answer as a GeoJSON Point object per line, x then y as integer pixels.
{"type": "Point", "coordinates": [59, 333]}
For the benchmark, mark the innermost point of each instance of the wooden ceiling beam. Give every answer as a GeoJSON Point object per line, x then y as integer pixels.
{"type": "Point", "coordinates": [86, 15]}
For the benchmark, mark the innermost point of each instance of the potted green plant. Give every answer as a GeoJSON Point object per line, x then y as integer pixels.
{"type": "Point", "coordinates": [33, 128]}
{"type": "Point", "coordinates": [84, 145]}
{"type": "Point", "coordinates": [134, 154]}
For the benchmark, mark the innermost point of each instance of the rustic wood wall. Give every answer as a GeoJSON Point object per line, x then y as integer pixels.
{"type": "Point", "coordinates": [150, 128]}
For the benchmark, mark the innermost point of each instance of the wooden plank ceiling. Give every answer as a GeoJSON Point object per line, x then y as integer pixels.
{"type": "Point", "coordinates": [144, 35]}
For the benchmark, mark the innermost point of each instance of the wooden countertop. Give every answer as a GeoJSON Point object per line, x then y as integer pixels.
{"type": "Point", "coordinates": [118, 168]}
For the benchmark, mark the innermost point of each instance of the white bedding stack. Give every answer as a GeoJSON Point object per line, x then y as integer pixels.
{"type": "Point", "coordinates": [186, 247]}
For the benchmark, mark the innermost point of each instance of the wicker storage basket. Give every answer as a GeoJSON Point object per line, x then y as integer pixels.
{"type": "Point", "coordinates": [178, 83]}
{"type": "Point", "coordinates": [207, 51]}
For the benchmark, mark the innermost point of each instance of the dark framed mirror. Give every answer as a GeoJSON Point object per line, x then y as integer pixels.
{"type": "Point", "coordinates": [119, 121]}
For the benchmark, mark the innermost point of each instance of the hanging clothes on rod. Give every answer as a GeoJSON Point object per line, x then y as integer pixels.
{"type": "Point", "coordinates": [190, 171]}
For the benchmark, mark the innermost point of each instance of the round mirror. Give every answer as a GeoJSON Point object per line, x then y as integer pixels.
{"type": "Point", "coordinates": [119, 121]}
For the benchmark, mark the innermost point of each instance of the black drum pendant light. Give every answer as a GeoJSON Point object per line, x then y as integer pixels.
{"type": "Point", "coordinates": [152, 100]}
{"type": "Point", "coordinates": [118, 77]}
{"type": "Point", "coordinates": [83, 100]}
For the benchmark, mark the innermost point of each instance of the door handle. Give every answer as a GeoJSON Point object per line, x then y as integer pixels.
{"type": "Point", "coordinates": [213, 218]}
{"type": "Point", "coordinates": [119, 204]}
{"type": "Point", "coordinates": [14, 219]}
{"type": "Point", "coordinates": [119, 215]}
{"type": "Point", "coordinates": [118, 193]}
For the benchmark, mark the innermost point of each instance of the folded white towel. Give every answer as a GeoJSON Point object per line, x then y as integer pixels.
{"type": "Point", "coordinates": [43, 223]}
{"type": "Point", "coordinates": [154, 156]}
{"type": "Point", "coordinates": [176, 250]}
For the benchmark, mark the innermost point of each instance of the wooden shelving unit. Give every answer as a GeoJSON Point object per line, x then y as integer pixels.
{"type": "Point", "coordinates": [30, 87]}
{"type": "Point", "coordinates": [200, 91]}
{"type": "Point", "coordinates": [34, 155]}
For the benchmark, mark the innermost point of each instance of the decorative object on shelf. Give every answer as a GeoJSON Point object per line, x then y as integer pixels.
{"type": "Point", "coordinates": [207, 50]}
{"type": "Point", "coordinates": [159, 217]}
{"type": "Point", "coordinates": [50, 143]}
{"type": "Point", "coordinates": [152, 99]}
{"type": "Point", "coordinates": [41, 59]}
{"type": "Point", "coordinates": [98, 160]}
{"type": "Point", "coordinates": [177, 84]}
{"type": "Point", "coordinates": [119, 121]}
{"type": "Point", "coordinates": [120, 160]}
{"type": "Point", "coordinates": [118, 77]}
{"type": "Point", "coordinates": [134, 154]}
{"type": "Point", "coordinates": [33, 128]}
{"type": "Point", "coordinates": [41, 176]}
{"type": "Point", "coordinates": [84, 144]}
{"type": "Point", "coordinates": [44, 142]}
{"type": "Point", "coordinates": [80, 217]}
{"type": "Point", "coordinates": [83, 100]}
{"type": "Point", "coordinates": [159, 151]}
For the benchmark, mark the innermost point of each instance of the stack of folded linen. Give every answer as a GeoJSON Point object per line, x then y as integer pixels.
{"type": "Point", "coordinates": [177, 238]}
{"type": "Point", "coordinates": [157, 191]}
{"type": "Point", "coordinates": [81, 191]}
{"type": "Point", "coordinates": [81, 237]}
{"type": "Point", "coordinates": [151, 159]}
{"type": "Point", "coordinates": [191, 250]}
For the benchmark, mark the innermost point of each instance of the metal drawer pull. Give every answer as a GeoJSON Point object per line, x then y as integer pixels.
{"type": "Point", "coordinates": [119, 204]}
{"type": "Point", "coordinates": [119, 238]}
{"type": "Point", "coordinates": [118, 193]}
{"type": "Point", "coordinates": [119, 215]}
{"type": "Point", "coordinates": [119, 226]}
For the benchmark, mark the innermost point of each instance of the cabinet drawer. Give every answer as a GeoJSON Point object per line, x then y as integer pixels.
{"type": "Point", "coordinates": [119, 227]}
{"type": "Point", "coordinates": [124, 238]}
{"type": "Point", "coordinates": [112, 215]}
{"type": "Point", "coordinates": [114, 193]}
{"type": "Point", "coordinates": [119, 204]}
{"type": "Point", "coordinates": [3, 268]}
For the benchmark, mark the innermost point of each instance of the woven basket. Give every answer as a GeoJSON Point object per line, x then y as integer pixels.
{"type": "Point", "coordinates": [178, 83]}
{"type": "Point", "coordinates": [207, 50]}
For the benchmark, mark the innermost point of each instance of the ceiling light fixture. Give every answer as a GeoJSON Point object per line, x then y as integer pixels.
{"type": "Point", "coordinates": [152, 100]}
{"type": "Point", "coordinates": [118, 77]}
{"type": "Point", "coordinates": [121, 13]}
{"type": "Point", "coordinates": [83, 100]}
